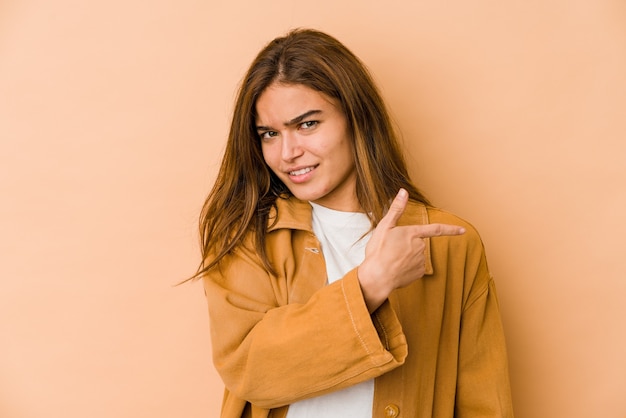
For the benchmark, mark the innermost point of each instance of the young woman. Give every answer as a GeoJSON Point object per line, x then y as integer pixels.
{"type": "Point", "coordinates": [334, 288]}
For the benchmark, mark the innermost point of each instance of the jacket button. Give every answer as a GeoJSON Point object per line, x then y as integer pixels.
{"type": "Point", "coordinates": [392, 410]}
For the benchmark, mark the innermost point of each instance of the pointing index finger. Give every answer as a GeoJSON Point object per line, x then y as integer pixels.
{"type": "Point", "coordinates": [439, 230]}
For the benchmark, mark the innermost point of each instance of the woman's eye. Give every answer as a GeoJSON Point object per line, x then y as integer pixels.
{"type": "Point", "coordinates": [308, 124]}
{"type": "Point", "coordinates": [268, 134]}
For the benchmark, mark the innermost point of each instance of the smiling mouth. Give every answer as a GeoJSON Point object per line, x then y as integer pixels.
{"type": "Point", "coordinates": [302, 171]}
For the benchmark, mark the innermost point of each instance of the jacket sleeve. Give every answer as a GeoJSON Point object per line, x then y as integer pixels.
{"type": "Point", "coordinates": [483, 388]}
{"type": "Point", "coordinates": [272, 355]}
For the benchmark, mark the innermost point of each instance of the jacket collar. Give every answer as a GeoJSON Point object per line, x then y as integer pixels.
{"type": "Point", "coordinates": [291, 213]}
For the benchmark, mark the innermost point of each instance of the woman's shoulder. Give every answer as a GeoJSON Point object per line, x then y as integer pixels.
{"type": "Point", "coordinates": [438, 215]}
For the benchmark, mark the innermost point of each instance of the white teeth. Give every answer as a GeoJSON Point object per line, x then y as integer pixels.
{"type": "Point", "coordinates": [301, 171]}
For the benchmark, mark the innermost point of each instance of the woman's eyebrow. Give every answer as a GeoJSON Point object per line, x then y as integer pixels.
{"type": "Point", "coordinates": [303, 116]}
{"type": "Point", "coordinates": [293, 121]}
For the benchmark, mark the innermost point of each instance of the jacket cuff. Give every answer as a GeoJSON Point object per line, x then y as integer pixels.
{"type": "Point", "coordinates": [381, 332]}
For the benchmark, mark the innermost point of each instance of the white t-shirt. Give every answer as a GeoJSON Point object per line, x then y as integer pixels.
{"type": "Point", "coordinates": [343, 240]}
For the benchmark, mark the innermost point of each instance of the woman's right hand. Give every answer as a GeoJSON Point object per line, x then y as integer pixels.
{"type": "Point", "coordinates": [394, 256]}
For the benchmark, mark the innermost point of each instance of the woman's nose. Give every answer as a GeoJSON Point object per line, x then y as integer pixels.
{"type": "Point", "coordinates": [291, 147]}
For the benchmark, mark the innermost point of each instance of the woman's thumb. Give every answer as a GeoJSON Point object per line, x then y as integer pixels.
{"type": "Point", "coordinates": [395, 210]}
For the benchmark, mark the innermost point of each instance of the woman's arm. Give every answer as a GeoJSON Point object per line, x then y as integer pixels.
{"type": "Point", "coordinates": [274, 355]}
{"type": "Point", "coordinates": [483, 388]}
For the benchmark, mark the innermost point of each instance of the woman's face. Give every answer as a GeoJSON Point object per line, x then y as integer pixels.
{"type": "Point", "coordinates": [305, 141]}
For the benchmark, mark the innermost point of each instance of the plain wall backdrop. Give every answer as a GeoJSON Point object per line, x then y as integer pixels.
{"type": "Point", "coordinates": [113, 119]}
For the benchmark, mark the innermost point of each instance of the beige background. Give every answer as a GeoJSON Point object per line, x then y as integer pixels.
{"type": "Point", "coordinates": [113, 116]}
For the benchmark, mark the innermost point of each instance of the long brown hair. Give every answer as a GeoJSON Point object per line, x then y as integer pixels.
{"type": "Point", "coordinates": [246, 189]}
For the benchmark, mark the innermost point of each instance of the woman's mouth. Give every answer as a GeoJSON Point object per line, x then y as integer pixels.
{"type": "Point", "coordinates": [301, 171]}
{"type": "Point", "coordinates": [302, 175]}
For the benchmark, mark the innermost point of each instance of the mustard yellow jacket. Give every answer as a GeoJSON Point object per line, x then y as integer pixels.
{"type": "Point", "coordinates": [435, 348]}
